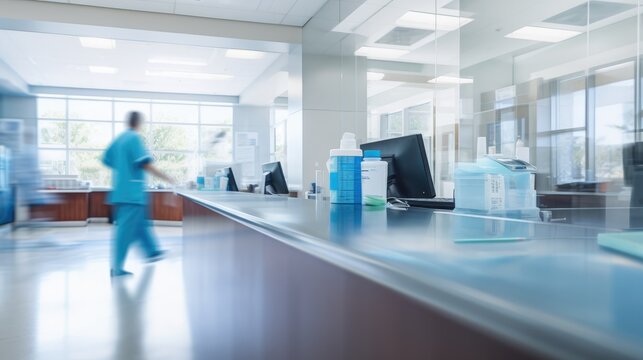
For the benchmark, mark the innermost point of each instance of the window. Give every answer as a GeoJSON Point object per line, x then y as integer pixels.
{"type": "Point", "coordinates": [280, 119]}
{"type": "Point", "coordinates": [614, 118]}
{"type": "Point", "coordinates": [395, 124]}
{"type": "Point", "coordinates": [417, 119]}
{"type": "Point", "coordinates": [74, 132]}
{"type": "Point", "coordinates": [175, 113]}
{"type": "Point", "coordinates": [121, 108]}
{"type": "Point", "coordinates": [420, 119]}
{"type": "Point", "coordinates": [570, 131]}
{"type": "Point", "coordinates": [593, 119]}
{"type": "Point", "coordinates": [90, 110]}
{"type": "Point", "coordinates": [216, 115]}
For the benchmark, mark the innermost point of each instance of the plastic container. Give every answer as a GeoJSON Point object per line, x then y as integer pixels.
{"type": "Point", "coordinates": [374, 179]}
{"type": "Point", "coordinates": [209, 183]}
{"type": "Point", "coordinates": [489, 188]}
{"type": "Point", "coordinates": [200, 182]}
{"type": "Point", "coordinates": [345, 170]}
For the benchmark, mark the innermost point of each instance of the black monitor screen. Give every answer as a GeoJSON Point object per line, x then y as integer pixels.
{"type": "Point", "coordinates": [409, 174]}
{"type": "Point", "coordinates": [274, 179]}
{"type": "Point", "coordinates": [232, 183]}
{"type": "Point", "coordinates": [632, 157]}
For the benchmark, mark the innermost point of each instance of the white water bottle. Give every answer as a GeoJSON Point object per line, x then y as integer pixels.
{"type": "Point", "coordinates": [374, 179]}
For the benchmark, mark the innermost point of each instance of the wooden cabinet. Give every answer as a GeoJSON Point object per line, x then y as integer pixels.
{"type": "Point", "coordinates": [166, 206]}
{"type": "Point", "coordinates": [70, 206]}
{"type": "Point", "coordinates": [80, 206]}
{"type": "Point", "coordinates": [97, 205]}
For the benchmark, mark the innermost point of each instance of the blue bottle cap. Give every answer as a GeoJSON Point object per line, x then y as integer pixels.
{"type": "Point", "coordinates": [372, 154]}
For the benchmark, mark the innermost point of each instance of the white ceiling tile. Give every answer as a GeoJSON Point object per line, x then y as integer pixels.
{"type": "Point", "coordinates": [260, 11]}
{"type": "Point", "coordinates": [277, 6]}
{"type": "Point", "coordinates": [163, 6]}
{"type": "Point", "coordinates": [223, 4]}
{"type": "Point", "coordinates": [58, 1]}
{"type": "Point", "coordinates": [306, 8]}
{"type": "Point", "coordinates": [60, 60]}
{"type": "Point", "coordinates": [295, 20]}
{"type": "Point", "coordinates": [231, 14]}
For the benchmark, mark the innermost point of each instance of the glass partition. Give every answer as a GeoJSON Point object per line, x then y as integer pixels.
{"type": "Point", "coordinates": [555, 83]}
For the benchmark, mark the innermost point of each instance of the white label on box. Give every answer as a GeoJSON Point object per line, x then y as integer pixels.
{"type": "Point", "coordinates": [494, 192]}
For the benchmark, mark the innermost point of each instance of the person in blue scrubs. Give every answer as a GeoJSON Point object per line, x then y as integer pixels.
{"type": "Point", "coordinates": [130, 160]}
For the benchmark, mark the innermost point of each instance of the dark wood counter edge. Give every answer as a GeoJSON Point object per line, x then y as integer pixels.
{"type": "Point", "coordinates": [536, 331]}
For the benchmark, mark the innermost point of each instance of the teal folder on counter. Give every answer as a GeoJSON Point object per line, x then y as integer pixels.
{"type": "Point", "coordinates": [630, 243]}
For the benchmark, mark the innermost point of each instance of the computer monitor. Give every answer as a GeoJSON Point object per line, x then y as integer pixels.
{"type": "Point", "coordinates": [274, 181]}
{"type": "Point", "coordinates": [232, 183]}
{"type": "Point", "coordinates": [632, 157]}
{"type": "Point", "coordinates": [633, 176]}
{"type": "Point", "coordinates": [409, 175]}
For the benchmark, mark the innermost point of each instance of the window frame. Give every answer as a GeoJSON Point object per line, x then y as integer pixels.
{"type": "Point", "coordinates": [198, 151]}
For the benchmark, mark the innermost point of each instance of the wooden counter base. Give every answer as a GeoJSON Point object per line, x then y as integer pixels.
{"type": "Point", "coordinates": [251, 296]}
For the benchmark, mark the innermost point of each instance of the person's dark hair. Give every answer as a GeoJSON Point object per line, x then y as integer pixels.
{"type": "Point", "coordinates": [134, 119]}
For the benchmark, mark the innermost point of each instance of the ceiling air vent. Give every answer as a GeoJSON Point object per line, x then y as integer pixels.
{"type": "Point", "coordinates": [598, 10]}
{"type": "Point", "coordinates": [402, 36]}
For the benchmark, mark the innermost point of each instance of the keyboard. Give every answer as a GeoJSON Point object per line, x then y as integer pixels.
{"type": "Point", "coordinates": [434, 203]}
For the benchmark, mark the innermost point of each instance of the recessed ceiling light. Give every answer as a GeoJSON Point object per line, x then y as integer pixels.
{"type": "Point", "coordinates": [97, 43]}
{"type": "Point", "coordinates": [102, 69]}
{"type": "Point", "coordinates": [244, 54]}
{"type": "Point", "coordinates": [444, 79]}
{"type": "Point", "coordinates": [187, 62]}
{"type": "Point", "coordinates": [422, 20]}
{"type": "Point", "coordinates": [377, 52]}
{"type": "Point", "coordinates": [189, 75]}
{"type": "Point", "coordinates": [374, 76]}
{"type": "Point", "coordinates": [542, 34]}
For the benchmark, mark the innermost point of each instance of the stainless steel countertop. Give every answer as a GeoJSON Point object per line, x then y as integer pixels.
{"type": "Point", "coordinates": [551, 289]}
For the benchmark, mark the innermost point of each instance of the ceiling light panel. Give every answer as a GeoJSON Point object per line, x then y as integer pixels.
{"type": "Point", "coordinates": [374, 76]}
{"type": "Point", "coordinates": [401, 36]}
{"type": "Point", "coordinates": [244, 54]}
{"type": "Point", "coordinates": [185, 62]}
{"type": "Point", "coordinates": [454, 80]}
{"type": "Point", "coordinates": [377, 52]}
{"type": "Point", "coordinates": [542, 34]}
{"type": "Point", "coordinates": [189, 75]}
{"type": "Point", "coordinates": [102, 69]}
{"type": "Point", "coordinates": [97, 43]}
{"type": "Point", "coordinates": [598, 10]}
{"type": "Point", "coordinates": [428, 21]}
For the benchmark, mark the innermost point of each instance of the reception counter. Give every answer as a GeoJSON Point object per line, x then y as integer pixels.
{"type": "Point", "coordinates": [283, 278]}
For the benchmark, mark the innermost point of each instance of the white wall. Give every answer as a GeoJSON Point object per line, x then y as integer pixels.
{"type": "Point", "coordinates": [20, 107]}
{"type": "Point", "coordinates": [254, 119]}
{"type": "Point", "coordinates": [331, 99]}
{"type": "Point", "coordinates": [294, 125]}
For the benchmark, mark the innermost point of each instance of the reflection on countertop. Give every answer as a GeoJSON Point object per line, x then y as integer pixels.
{"type": "Point", "coordinates": [546, 284]}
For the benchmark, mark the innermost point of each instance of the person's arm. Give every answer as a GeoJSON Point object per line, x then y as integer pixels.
{"type": "Point", "coordinates": [142, 158]}
{"type": "Point", "coordinates": [108, 157]}
{"type": "Point", "coordinates": [158, 173]}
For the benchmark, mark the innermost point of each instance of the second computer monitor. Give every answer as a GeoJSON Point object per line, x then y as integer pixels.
{"type": "Point", "coordinates": [232, 183]}
{"type": "Point", "coordinates": [409, 175]}
{"type": "Point", "coordinates": [274, 181]}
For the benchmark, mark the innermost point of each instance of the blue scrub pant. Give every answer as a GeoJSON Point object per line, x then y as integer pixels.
{"type": "Point", "coordinates": [131, 225]}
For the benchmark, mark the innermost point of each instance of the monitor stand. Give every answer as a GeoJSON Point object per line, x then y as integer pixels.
{"type": "Point", "coordinates": [266, 186]}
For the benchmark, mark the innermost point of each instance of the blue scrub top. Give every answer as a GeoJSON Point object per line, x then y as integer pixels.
{"type": "Point", "coordinates": [126, 156]}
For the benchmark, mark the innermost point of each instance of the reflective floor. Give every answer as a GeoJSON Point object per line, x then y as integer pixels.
{"type": "Point", "coordinates": [57, 300]}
